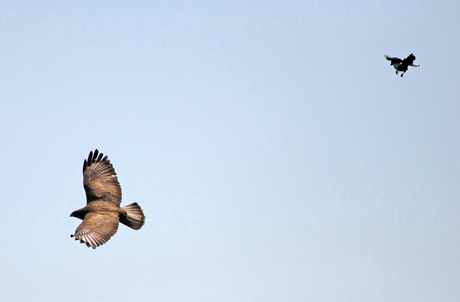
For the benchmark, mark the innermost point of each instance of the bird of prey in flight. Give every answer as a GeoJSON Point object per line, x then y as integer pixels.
{"type": "Point", "coordinates": [103, 213]}
{"type": "Point", "coordinates": [402, 65]}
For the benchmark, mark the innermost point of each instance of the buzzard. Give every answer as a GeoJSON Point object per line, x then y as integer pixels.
{"type": "Point", "coordinates": [402, 65]}
{"type": "Point", "coordinates": [103, 197]}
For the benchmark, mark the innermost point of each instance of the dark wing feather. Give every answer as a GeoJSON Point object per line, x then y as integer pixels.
{"type": "Point", "coordinates": [97, 228]}
{"type": "Point", "coordinates": [393, 59]}
{"type": "Point", "coordinates": [409, 60]}
{"type": "Point", "coordinates": [100, 180]}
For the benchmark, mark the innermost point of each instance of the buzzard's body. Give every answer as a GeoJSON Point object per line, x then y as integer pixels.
{"type": "Point", "coordinates": [103, 213]}
{"type": "Point", "coordinates": [402, 65]}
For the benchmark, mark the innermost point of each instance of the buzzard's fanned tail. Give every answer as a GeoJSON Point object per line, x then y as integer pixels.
{"type": "Point", "coordinates": [134, 217]}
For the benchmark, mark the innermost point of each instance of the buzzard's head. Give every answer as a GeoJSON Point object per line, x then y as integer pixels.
{"type": "Point", "coordinates": [78, 214]}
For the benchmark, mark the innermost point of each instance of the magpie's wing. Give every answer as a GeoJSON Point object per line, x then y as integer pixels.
{"type": "Point", "coordinates": [409, 60]}
{"type": "Point", "coordinates": [393, 59]}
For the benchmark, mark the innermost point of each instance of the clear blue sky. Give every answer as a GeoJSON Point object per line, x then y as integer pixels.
{"type": "Point", "coordinates": [274, 151]}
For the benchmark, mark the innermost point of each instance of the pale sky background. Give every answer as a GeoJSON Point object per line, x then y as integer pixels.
{"type": "Point", "coordinates": [274, 151]}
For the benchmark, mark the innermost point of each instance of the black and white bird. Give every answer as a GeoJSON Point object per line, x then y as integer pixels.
{"type": "Point", "coordinates": [402, 65]}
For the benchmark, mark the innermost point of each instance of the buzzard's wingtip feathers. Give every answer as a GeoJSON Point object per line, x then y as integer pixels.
{"type": "Point", "coordinates": [93, 157]}
{"type": "Point", "coordinates": [90, 157]}
{"type": "Point", "coordinates": [100, 157]}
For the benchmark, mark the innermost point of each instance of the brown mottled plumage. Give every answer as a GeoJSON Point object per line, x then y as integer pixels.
{"type": "Point", "coordinates": [102, 213]}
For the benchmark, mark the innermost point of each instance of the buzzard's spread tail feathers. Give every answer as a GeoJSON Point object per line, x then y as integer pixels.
{"type": "Point", "coordinates": [134, 217]}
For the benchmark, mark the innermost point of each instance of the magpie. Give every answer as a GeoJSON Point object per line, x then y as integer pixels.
{"type": "Point", "coordinates": [402, 65]}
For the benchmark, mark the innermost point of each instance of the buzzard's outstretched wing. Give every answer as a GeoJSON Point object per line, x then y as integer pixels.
{"type": "Point", "coordinates": [97, 228]}
{"type": "Point", "coordinates": [100, 180]}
